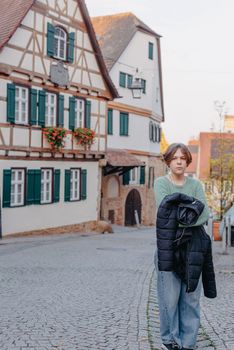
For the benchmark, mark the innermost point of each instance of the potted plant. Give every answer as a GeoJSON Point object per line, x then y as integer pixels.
{"type": "Point", "coordinates": [84, 136]}
{"type": "Point", "coordinates": [55, 136]}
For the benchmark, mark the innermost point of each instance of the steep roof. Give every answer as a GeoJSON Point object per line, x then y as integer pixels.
{"type": "Point", "coordinates": [11, 15]}
{"type": "Point", "coordinates": [13, 12]}
{"type": "Point", "coordinates": [118, 29]}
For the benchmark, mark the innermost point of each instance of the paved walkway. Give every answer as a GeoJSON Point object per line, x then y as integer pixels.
{"type": "Point", "coordinates": [94, 292]}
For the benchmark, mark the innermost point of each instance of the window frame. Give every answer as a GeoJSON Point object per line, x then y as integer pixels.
{"type": "Point", "coordinates": [24, 187]}
{"type": "Point", "coordinates": [47, 92]}
{"type": "Point", "coordinates": [125, 132]}
{"type": "Point", "coordinates": [108, 126]}
{"type": "Point", "coordinates": [137, 174]}
{"type": "Point", "coordinates": [125, 76]}
{"type": "Point", "coordinates": [27, 109]}
{"type": "Point", "coordinates": [143, 85]}
{"type": "Point", "coordinates": [51, 185]}
{"type": "Point", "coordinates": [72, 199]}
{"type": "Point", "coordinates": [150, 50]}
{"type": "Point", "coordinates": [56, 55]}
{"type": "Point", "coordinates": [75, 112]}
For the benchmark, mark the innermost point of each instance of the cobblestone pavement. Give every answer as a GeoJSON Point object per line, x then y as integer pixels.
{"type": "Point", "coordinates": [218, 314]}
{"type": "Point", "coordinates": [93, 292]}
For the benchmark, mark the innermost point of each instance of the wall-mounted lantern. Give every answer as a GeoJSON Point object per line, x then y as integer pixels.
{"type": "Point", "coordinates": [136, 85]}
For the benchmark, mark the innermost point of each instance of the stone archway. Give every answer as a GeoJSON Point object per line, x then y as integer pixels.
{"type": "Point", "coordinates": [133, 202]}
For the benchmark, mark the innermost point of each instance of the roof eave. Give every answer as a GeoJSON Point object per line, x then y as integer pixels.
{"type": "Point", "coordinates": [97, 49]}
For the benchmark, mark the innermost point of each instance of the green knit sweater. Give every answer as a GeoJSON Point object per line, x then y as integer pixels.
{"type": "Point", "coordinates": [192, 187]}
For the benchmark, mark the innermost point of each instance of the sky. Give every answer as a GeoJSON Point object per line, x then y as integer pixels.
{"type": "Point", "coordinates": [197, 49]}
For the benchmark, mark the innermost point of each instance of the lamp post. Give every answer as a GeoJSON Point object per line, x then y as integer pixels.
{"type": "Point", "coordinates": [220, 108]}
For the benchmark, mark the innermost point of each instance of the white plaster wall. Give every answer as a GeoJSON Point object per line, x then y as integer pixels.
{"type": "Point", "coordinates": [22, 36]}
{"type": "Point", "coordinates": [35, 217]}
{"type": "Point", "coordinates": [136, 56]}
{"type": "Point", "coordinates": [138, 136]}
{"type": "Point", "coordinates": [21, 136]}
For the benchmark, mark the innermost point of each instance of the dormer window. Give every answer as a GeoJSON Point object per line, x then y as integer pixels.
{"type": "Point", "coordinates": [60, 43]}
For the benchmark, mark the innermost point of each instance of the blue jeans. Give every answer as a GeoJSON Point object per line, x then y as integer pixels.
{"type": "Point", "coordinates": [179, 311]}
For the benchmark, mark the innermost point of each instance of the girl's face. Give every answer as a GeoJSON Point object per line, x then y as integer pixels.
{"type": "Point", "coordinates": [178, 163]}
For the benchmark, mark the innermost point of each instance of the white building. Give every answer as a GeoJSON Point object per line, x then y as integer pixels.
{"type": "Point", "coordinates": [134, 125]}
{"type": "Point", "coordinates": [52, 74]}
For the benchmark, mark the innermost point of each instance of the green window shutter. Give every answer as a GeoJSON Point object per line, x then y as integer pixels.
{"type": "Point", "coordinates": [6, 202]}
{"type": "Point", "coordinates": [143, 85]}
{"type": "Point", "coordinates": [56, 185]}
{"type": "Point", "coordinates": [37, 184]}
{"type": "Point", "coordinates": [41, 109]}
{"type": "Point", "coordinates": [60, 110]}
{"type": "Point", "coordinates": [50, 39]}
{"type": "Point", "coordinates": [142, 175]}
{"type": "Point", "coordinates": [151, 51]}
{"type": "Point", "coordinates": [30, 194]}
{"type": "Point", "coordinates": [121, 124]}
{"type": "Point", "coordinates": [88, 114]}
{"type": "Point", "coordinates": [129, 80]}
{"type": "Point", "coordinates": [33, 186]}
{"type": "Point", "coordinates": [83, 184]}
{"type": "Point", "coordinates": [122, 79]}
{"type": "Point", "coordinates": [72, 102]}
{"type": "Point", "coordinates": [126, 119]}
{"type": "Point", "coordinates": [33, 106]}
{"type": "Point", "coordinates": [67, 185]}
{"type": "Point", "coordinates": [71, 47]}
{"type": "Point", "coordinates": [159, 134]}
{"type": "Point", "coordinates": [10, 103]}
{"type": "Point", "coordinates": [110, 122]}
{"type": "Point", "coordinates": [126, 177]}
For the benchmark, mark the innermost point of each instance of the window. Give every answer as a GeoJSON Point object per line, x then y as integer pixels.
{"type": "Point", "coordinates": [110, 122]}
{"type": "Point", "coordinates": [21, 105]}
{"type": "Point", "coordinates": [17, 187]}
{"type": "Point", "coordinates": [123, 124]}
{"type": "Point", "coordinates": [129, 78]}
{"type": "Point", "coordinates": [122, 79]}
{"type": "Point", "coordinates": [50, 109]}
{"type": "Point", "coordinates": [46, 186]}
{"type": "Point", "coordinates": [75, 185]}
{"type": "Point", "coordinates": [60, 43]}
{"type": "Point", "coordinates": [134, 176]}
{"type": "Point", "coordinates": [151, 51]}
{"type": "Point", "coordinates": [143, 85]}
{"type": "Point", "coordinates": [79, 113]}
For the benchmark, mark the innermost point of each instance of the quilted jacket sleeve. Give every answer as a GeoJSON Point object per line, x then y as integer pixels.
{"type": "Point", "coordinates": [208, 275]}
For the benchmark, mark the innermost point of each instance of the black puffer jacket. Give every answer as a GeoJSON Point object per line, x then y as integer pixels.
{"type": "Point", "coordinates": [184, 250]}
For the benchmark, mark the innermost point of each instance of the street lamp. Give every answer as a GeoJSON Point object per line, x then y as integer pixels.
{"type": "Point", "coordinates": [136, 86]}
{"type": "Point", "coordinates": [220, 108]}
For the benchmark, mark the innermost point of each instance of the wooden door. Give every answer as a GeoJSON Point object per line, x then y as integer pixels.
{"type": "Point", "coordinates": [133, 202]}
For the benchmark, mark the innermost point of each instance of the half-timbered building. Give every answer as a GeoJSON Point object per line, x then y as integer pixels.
{"type": "Point", "coordinates": [52, 74]}
{"type": "Point", "coordinates": [131, 49]}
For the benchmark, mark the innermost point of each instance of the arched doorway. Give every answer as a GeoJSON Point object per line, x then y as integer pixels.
{"type": "Point", "coordinates": [133, 202]}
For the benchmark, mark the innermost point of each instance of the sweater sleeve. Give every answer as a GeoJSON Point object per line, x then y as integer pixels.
{"type": "Point", "coordinates": [160, 190]}
{"type": "Point", "coordinates": [200, 195]}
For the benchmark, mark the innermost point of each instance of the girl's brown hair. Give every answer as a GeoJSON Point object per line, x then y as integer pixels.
{"type": "Point", "coordinates": [171, 150]}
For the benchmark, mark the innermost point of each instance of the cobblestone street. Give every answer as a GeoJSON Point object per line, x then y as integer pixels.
{"type": "Point", "coordinates": [95, 292]}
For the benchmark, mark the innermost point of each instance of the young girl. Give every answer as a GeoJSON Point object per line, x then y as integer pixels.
{"type": "Point", "coordinates": [179, 310]}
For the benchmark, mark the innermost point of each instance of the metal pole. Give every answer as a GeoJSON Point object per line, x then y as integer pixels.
{"type": "Point", "coordinates": [210, 227]}
{"type": "Point", "coordinates": [229, 230]}
{"type": "Point", "coordinates": [224, 238]}
{"type": "Point", "coordinates": [137, 218]}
